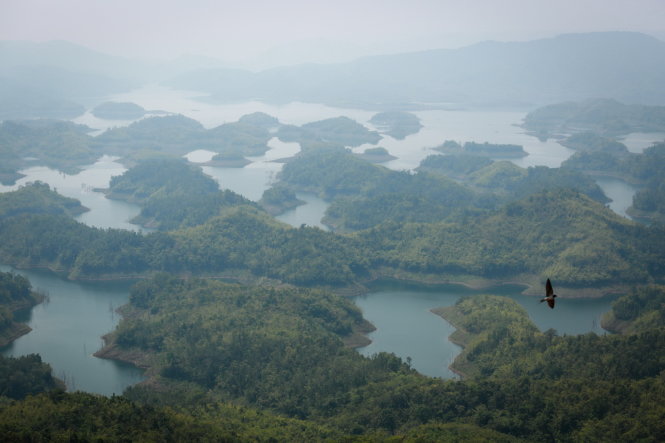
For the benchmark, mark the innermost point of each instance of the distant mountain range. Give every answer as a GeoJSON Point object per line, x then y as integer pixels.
{"type": "Point", "coordinates": [628, 67]}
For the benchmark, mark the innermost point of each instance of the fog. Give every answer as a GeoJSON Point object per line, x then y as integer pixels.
{"type": "Point", "coordinates": [258, 34]}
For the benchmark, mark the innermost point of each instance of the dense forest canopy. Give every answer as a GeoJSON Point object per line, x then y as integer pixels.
{"type": "Point", "coordinates": [561, 233]}
{"type": "Point", "coordinates": [520, 383]}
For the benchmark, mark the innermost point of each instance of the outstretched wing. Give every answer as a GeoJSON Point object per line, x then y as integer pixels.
{"type": "Point", "coordinates": [549, 291]}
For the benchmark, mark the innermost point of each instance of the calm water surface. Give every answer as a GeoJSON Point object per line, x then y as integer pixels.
{"type": "Point", "coordinates": [309, 214]}
{"type": "Point", "coordinates": [620, 192]}
{"type": "Point", "coordinates": [67, 330]}
{"type": "Point", "coordinates": [103, 213]}
{"type": "Point", "coordinates": [407, 327]}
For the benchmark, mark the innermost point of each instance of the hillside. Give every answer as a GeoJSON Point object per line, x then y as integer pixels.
{"type": "Point", "coordinates": [562, 233]}
{"type": "Point", "coordinates": [602, 116]}
{"type": "Point", "coordinates": [524, 74]}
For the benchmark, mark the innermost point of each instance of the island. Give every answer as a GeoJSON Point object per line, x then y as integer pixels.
{"type": "Point", "coordinates": [341, 131]}
{"type": "Point", "coordinates": [482, 149]}
{"type": "Point", "coordinates": [602, 116]}
{"type": "Point", "coordinates": [60, 145]}
{"type": "Point", "coordinates": [16, 293]}
{"type": "Point", "coordinates": [589, 141]}
{"type": "Point", "coordinates": [231, 158]}
{"type": "Point", "coordinates": [279, 199]}
{"type": "Point", "coordinates": [397, 124]}
{"type": "Point", "coordinates": [376, 155]}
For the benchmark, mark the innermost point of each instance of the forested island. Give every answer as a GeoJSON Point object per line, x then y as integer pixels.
{"type": "Point", "coordinates": [482, 149]}
{"type": "Point", "coordinates": [279, 199]}
{"type": "Point", "coordinates": [376, 155]}
{"type": "Point", "coordinates": [397, 124]}
{"type": "Point", "coordinates": [603, 116]}
{"type": "Point", "coordinates": [67, 147]}
{"type": "Point", "coordinates": [340, 131]}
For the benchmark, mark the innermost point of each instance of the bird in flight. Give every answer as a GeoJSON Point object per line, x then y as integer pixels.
{"type": "Point", "coordinates": [549, 294]}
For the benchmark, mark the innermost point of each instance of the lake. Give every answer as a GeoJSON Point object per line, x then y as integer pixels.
{"type": "Point", "coordinates": [67, 330]}
{"type": "Point", "coordinates": [104, 213]}
{"type": "Point", "coordinates": [406, 326]}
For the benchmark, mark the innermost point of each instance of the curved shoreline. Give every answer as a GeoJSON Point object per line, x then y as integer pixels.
{"type": "Point", "coordinates": [530, 282]}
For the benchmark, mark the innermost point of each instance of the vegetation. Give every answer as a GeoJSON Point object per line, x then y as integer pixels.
{"type": "Point", "coordinates": [376, 155]}
{"type": "Point", "coordinates": [261, 120]}
{"type": "Point", "coordinates": [60, 145]}
{"type": "Point", "coordinates": [340, 131]}
{"type": "Point", "coordinates": [592, 142]}
{"type": "Point", "coordinates": [24, 376]}
{"type": "Point", "coordinates": [456, 166]}
{"type": "Point", "coordinates": [559, 233]}
{"type": "Point", "coordinates": [400, 197]}
{"type": "Point", "coordinates": [279, 199]}
{"type": "Point", "coordinates": [482, 149]}
{"type": "Point", "coordinates": [67, 146]}
{"type": "Point", "coordinates": [330, 172]}
{"type": "Point", "coordinates": [603, 116]}
{"type": "Point", "coordinates": [281, 350]}
{"type": "Point", "coordinates": [639, 311]}
{"type": "Point", "coordinates": [516, 183]}
{"type": "Point", "coordinates": [646, 169]}
{"type": "Point", "coordinates": [594, 162]}
{"type": "Point", "coordinates": [172, 194]}
{"type": "Point", "coordinates": [37, 198]}
{"type": "Point", "coordinates": [15, 294]}
{"type": "Point", "coordinates": [397, 124]}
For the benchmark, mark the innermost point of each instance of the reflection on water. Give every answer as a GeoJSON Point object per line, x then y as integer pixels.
{"type": "Point", "coordinates": [67, 330]}
{"type": "Point", "coordinates": [407, 327]}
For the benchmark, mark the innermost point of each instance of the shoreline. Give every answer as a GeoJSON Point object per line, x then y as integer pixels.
{"type": "Point", "coordinates": [13, 332]}
{"type": "Point", "coordinates": [459, 337]}
{"type": "Point", "coordinates": [530, 282]}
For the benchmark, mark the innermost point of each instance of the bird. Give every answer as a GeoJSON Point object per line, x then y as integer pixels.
{"type": "Point", "coordinates": [549, 294]}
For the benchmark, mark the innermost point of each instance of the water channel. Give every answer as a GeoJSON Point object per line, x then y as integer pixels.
{"type": "Point", "coordinates": [67, 330]}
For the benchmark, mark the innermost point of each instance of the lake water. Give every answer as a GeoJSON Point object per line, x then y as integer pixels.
{"type": "Point", "coordinates": [620, 192]}
{"type": "Point", "coordinates": [67, 330]}
{"type": "Point", "coordinates": [406, 326]}
{"type": "Point", "coordinates": [104, 213]}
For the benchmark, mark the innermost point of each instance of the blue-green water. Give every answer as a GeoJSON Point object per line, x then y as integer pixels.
{"type": "Point", "coordinates": [67, 330]}
{"type": "Point", "coordinates": [406, 326]}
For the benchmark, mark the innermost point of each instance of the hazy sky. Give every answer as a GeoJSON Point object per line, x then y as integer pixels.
{"type": "Point", "coordinates": [244, 29]}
